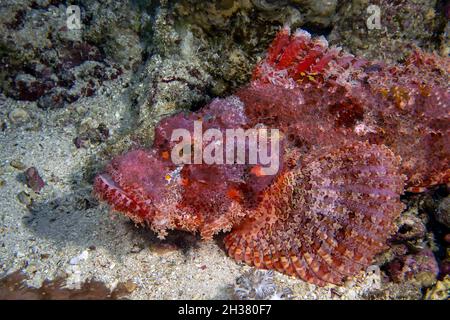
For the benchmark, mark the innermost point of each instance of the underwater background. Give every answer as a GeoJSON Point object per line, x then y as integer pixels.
{"type": "Point", "coordinates": [84, 81]}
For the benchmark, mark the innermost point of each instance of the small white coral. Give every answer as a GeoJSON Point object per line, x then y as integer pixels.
{"type": "Point", "coordinates": [258, 285]}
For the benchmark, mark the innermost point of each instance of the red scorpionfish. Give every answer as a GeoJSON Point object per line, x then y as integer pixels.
{"type": "Point", "coordinates": [355, 135]}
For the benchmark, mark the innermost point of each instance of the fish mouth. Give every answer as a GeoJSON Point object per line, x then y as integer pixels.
{"type": "Point", "coordinates": [108, 180]}
{"type": "Point", "coordinates": [107, 189]}
{"type": "Point", "coordinates": [104, 185]}
{"type": "Point", "coordinates": [110, 191]}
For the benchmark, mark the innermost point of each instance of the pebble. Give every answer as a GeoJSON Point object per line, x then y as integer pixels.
{"type": "Point", "coordinates": [136, 248]}
{"type": "Point", "coordinates": [130, 286]}
{"type": "Point", "coordinates": [80, 110]}
{"type": "Point", "coordinates": [24, 198]}
{"type": "Point", "coordinates": [88, 123]}
{"type": "Point", "coordinates": [447, 237]}
{"type": "Point", "coordinates": [32, 268]}
{"type": "Point", "coordinates": [34, 180]}
{"type": "Point", "coordinates": [74, 279]}
{"type": "Point", "coordinates": [17, 164]}
{"type": "Point", "coordinates": [82, 257]}
{"type": "Point", "coordinates": [18, 116]}
{"type": "Point", "coordinates": [45, 256]}
{"type": "Point", "coordinates": [349, 283]}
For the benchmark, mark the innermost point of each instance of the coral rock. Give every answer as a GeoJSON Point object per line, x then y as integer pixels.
{"type": "Point", "coordinates": [421, 267]}
{"type": "Point", "coordinates": [33, 179]}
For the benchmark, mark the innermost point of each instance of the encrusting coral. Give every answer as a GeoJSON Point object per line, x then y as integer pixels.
{"type": "Point", "coordinates": [354, 135]}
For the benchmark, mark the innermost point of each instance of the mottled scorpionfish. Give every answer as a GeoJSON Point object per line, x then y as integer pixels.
{"type": "Point", "coordinates": [355, 135]}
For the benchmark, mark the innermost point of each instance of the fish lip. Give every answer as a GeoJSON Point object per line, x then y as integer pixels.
{"type": "Point", "coordinates": [109, 190]}
{"type": "Point", "coordinates": [107, 179]}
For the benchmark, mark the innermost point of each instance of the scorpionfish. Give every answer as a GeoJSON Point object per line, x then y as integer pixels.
{"type": "Point", "coordinates": [355, 135]}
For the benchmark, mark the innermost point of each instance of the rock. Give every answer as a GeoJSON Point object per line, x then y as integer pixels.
{"type": "Point", "coordinates": [444, 268]}
{"type": "Point", "coordinates": [447, 238]}
{"type": "Point", "coordinates": [445, 40]}
{"type": "Point", "coordinates": [29, 88]}
{"type": "Point", "coordinates": [24, 198]}
{"type": "Point", "coordinates": [319, 13]}
{"type": "Point", "coordinates": [91, 133]}
{"type": "Point", "coordinates": [442, 213]}
{"type": "Point", "coordinates": [32, 269]}
{"type": "Point", "coordinates": [137, 248]}
{"type": "Point", "coordinates": [401, 24]}
{"type": "Point", "coordinates": [87, 124]}
{"type": "Point", "coordinates": [422, 268]}
{"type": "Point", "coordinates": [33, 179]}
{"type": "Point", "coordinates": [130, 286]}
{"type": "Point", "coordinates": [18, 116]}
{"type": "Point", "coordinates": [410, 228]}
{"type": "Point", "coordinates": [440, 291]}
{"type": "Point", "coordinates": [17, 164]}
{"type": "Point", "coordinates": [124, 47]}
{"type": "Point", "coordinates": [54, 99]}
{"type": "Point", "coordinates": [79, 142]}
{"type": "Point", "coordinates": [82, 257]}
